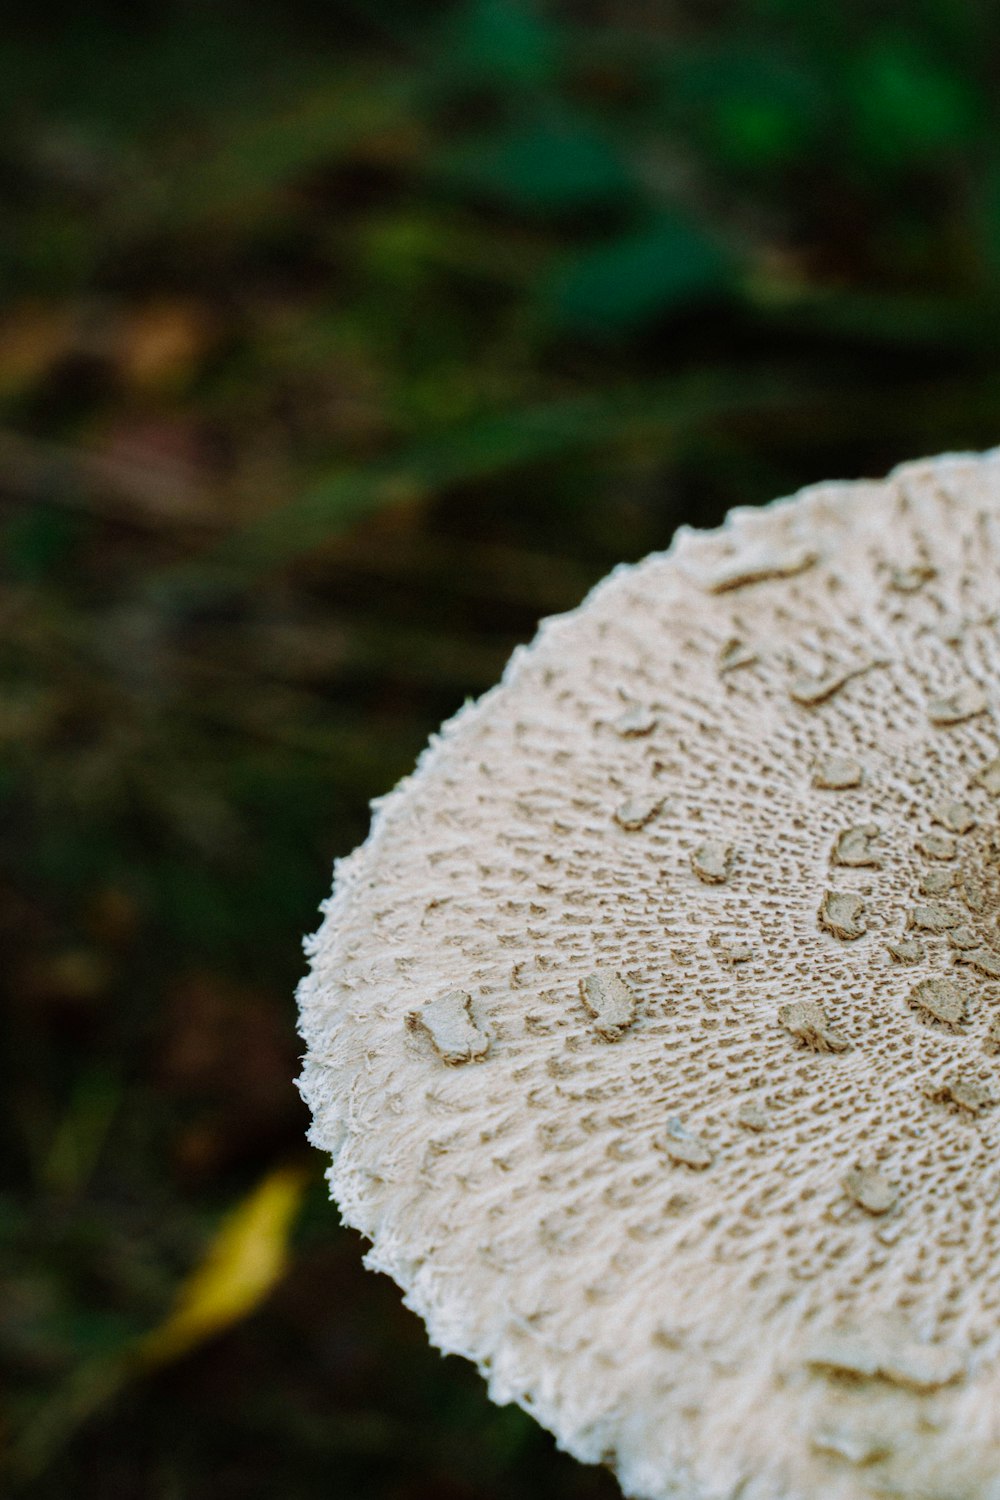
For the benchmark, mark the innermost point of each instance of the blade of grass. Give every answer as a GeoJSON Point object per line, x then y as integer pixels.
{"type": "Point", "coordinates": [242, 1263]}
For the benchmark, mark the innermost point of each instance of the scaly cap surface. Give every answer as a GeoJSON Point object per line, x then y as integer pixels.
{"type": "Point", "coordinates": [653, 1031]}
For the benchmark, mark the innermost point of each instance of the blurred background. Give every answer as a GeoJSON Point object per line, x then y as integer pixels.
{"type": "Point", "coordinates": [339, 343]}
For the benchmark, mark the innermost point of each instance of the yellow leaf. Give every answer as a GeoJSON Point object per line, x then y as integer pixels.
{"type": "Point", "coordinates": [244, 1260]}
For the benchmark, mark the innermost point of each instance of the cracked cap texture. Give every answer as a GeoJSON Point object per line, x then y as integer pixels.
{"type": "Point", "coordinates": [679, 1122]}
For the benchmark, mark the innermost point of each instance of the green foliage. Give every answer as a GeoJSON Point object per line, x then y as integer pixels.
{"type": "Point", "coordinates": [549, 167]}
{"type": "Point", "coordinates": [906, 108]}
{"type": "Point", "coordinates": [501, 43]}
{"type": "Point", "coordinates": [625, 284]}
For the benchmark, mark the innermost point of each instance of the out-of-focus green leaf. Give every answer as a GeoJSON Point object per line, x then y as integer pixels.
{"type": "Point", "coordinates": [548, 167]}
{"type": "Point", "coordinates": [759, 130]}
{"type": "Point", "coordinates": [617, 286]}
{"type": "Point", "coordinates": [754, 106]}
{"type": "Point", "coordinates": [906, 106]}
{"type": "Point", "coordinates": [499, 41]}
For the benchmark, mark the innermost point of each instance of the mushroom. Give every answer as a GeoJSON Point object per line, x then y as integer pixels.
{"type": "Point", "coordinates": [729, 1228]}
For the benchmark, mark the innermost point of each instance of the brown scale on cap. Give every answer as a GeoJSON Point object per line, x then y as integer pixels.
{"type": "Point", "coordinates": [984, 960]}
{"type": "Point", "coordinates": [941, 1000]}
{"type": "Point", "coordinates": [937, 846]}
{"type": "Point", "coordinates": [964, 1092]}
{"type": "Point", "coordinates": [907, 951]}
{"type": "Point", "coordinates": [854, 847]}
{"type": "Point", "coordinates": [964, 703]}
{"type": "Point", "coordinates": [932, 917]}
{"type": "Point", "coordinates": [712, 861]}
{"type": "Point", "coordinates": [957, 817]}
{"type": "Point", "coordinates": [908, 580]}
{"type": "Point", "coordinates": [988, 777]}
{"type": "Point", "coordinates": [610, 1001]}
{"type": "Point", "coordinates": [809, 689]}
{"type": "Point", "coordinates": [635, 722]}
{"type": "Point", "coordinates": [836, 773]}
{"type": "Point", "coordinates": [449, 1024]}
{"type": "Point", "coordinates": [870, 1190]}
{"type": "Point", "coordinates": [752, 1116]}
{"type": "Point", "coordinates": [806, 1021]}
{"type": "Point", "coordinates": [683, 1147]}
{"type": "Point", "coordinates": [843, 914]}
{"type": "Point", "coordinates": [936, 882]}
{"type": "Point", "coordinates": [886, 1350]}
{"type": "Point", "coordinates": [540, 1066]}
{"type": "Point", "coordinates": [636, 812]}
{"type": "Point", "coordinates": [735, 653]}
{"type": "Point", "coordinates": [756, 565]}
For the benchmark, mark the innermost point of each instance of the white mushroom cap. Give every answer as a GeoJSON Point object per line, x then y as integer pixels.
{"type": "Point", "coordinates": [679, 1123]}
